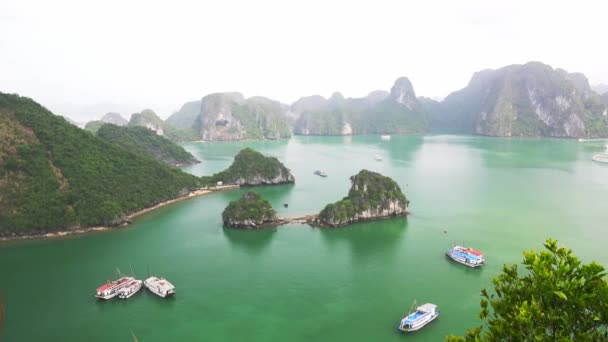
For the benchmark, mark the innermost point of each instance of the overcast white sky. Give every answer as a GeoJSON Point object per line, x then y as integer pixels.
{"type": "Point", "coordinates": [78, 57]}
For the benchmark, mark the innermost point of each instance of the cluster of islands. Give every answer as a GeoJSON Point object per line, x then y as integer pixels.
{"type": "Point", "coordinates": [56, 177]}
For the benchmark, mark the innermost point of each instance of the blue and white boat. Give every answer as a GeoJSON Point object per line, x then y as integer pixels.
{"type": "Point", "coordinates": [466, 256]}
{"type": "Point", "coordinates": [423, 315]}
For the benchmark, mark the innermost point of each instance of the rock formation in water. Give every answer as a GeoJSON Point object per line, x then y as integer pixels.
{"type": "Point", "coordinates": [397, 112]}
{"type": "Point", "coordinates": [253, 168]}
{"type": "Point", "coordinates": [114, 119]}
{"type": "Point", "coordinates": [54, 176]}
{"type": "Point", "coordinates": [147, 118]}
{"type": "Point", "coordinates": [529, 100]}
{"type": "Point", "coordinates": [371, 196]}
{"type": "Point", "coordinates": [250, 211]}
{"type": "Point", "coordinates": [229, 116]}
{"type": "Point", "coordinates": [143, 141]}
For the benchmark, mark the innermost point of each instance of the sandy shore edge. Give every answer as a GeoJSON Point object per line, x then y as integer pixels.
{"type": "Point", "coordinates": [127, 220]}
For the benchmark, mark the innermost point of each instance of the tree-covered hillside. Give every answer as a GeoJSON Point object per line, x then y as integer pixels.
{"type": "Point", "coordinates": [56, 176]}
{"type": "Point", "coordinates": [146, 142]}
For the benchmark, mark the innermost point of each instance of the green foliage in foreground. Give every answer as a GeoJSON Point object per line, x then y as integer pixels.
{"type": "Point", "coordinates": [369, 190]}
{"type": "Point", "coordinates": [249, 166]}
{"type": "Point", "coordinates": [146, 142]}
{"type": "Point", "coordinates": [248, 210]}
{"type": "Point", "coordinates": [557, 298]}
{"type": "Point", "coordinates": [55, 176]}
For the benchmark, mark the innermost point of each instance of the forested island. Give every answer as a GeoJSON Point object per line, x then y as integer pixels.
{"type": "Point", "coordinates": [252, 168]}
{"type": "Point", "coordinates": [249, 211]}
{"type": "Point", "coordinates": [371, 196]}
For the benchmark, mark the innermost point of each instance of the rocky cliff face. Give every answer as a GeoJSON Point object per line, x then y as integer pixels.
{"type": "Point", "coordinates": [525, 100]}
{"type": "Point", "coordinates": [250, 211]}
{"type": "Point", "coordinates": [380, 112]}
{"type": "Point", "coordinates": [229, 116]}
{"type": "Point", "coordinates": [371, 196]}
{"type": "Point", "coordinates": [253, 168]}
{"type": "Point", "coordinates": [187, 116]}
{"type": "Point", "coordinates": [114, 119]}
{"type": "Point", "coordinates": [147, 118]}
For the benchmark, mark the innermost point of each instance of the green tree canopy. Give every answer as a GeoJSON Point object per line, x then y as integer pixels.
{"type": "Point", "coordinates": [557, 298]}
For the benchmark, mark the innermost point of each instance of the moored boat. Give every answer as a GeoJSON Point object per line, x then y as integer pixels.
{"type": "Point", "coordinates": [385, 137]}
{"type": "Point", "coordinates": [466, 256]}
{"type": "Point", "coordinates": [601, 157]}
{"type": "Point", "coordinates": [415, 320]}
{"type": "Point", "coordinates": [112, 288]}
{"type": "Point", "coordinates": [320, 173]}
{"type": "Point", "coordinates": [378, 157]}
{"type": "Point", "coordinates": [131, 288]}
{"type": "Point", "coordinates": [159, 286]}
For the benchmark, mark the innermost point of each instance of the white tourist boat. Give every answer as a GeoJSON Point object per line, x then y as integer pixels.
{"type": "Point", "coordinates": [466, 256]}
{"type": "Point", "coordinates": [601, 157]}
{"type": "Point", "coordinates": [385, 137]}
{"type": "Point", "coordinates": [111, 289]}
{"type": "Point", "coordinates": [130, 289]}
{"type": "Point", "coordinates": [416, 319]}
{"type": "Point", "coordinates": [378, 157]}
{"type": "Point", "coordinates": [320, 173]}
{"type": "Point", "coordinates": [159, 286]}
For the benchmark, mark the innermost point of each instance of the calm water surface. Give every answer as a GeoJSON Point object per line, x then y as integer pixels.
{"type": "Point", "coordinates": [298, 283]}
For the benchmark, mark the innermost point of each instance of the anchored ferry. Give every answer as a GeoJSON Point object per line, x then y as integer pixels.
{"type": "Point", "coordinates": [112, 288]}
{"type": "Point", "coordinates": [466, 256]}
{"type": "Point", "coordinates": [601, 157]}
{"type": "Point", "coordinates": [130, 289]}
{"type": "Point", "coordinates": [160, 286]}
{"type": "Point", "coordinates": [423, 315]}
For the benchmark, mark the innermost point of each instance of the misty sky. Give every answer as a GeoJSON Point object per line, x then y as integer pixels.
{"type": "Point", "coordinates": [78, 57]}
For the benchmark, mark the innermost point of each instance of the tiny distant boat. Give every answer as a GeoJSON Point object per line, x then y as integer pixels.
{"type": "Point", "coordinates": [466, 256]}
{"type": "Point", "coordinates": [320, 173]}
{"type": "Point", "coordinates": [378, 157]}
{"type": "Point", "coordinates": [385, 137]}
{"type": "Point", "coordinates": [130, 289]}
{"type": "Point", "coordinates": [112, 288]}
{"type": "Point", "coordinates": [423, 315]}
{"type": "Point", "coordinates": [160, 286]}
{"type": "Point", "coordinates": [601, 157]}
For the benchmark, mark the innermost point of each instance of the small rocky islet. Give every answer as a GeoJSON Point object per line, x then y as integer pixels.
{"type": "Point", "coordinates": [372, 196]}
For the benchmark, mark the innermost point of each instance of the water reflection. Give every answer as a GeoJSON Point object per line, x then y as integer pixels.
{"type": "Point", "coordinates": [368, 239]}
{"type": "Point", "coordinates": [252, 241]}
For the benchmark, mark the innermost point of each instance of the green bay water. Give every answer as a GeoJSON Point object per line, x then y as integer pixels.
{"type": "Point", "coordinates": [298, 283]}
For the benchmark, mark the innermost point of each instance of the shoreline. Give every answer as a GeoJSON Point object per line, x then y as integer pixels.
{"type": "Point", "coordinates": [126, 221]}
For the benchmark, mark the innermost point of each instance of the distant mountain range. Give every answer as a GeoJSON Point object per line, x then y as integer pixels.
{"type": "Point", "coordinates": [530, 100]}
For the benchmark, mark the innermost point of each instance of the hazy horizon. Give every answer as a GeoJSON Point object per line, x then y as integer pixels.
{"type": "Point", "coordinates": [78, 58]}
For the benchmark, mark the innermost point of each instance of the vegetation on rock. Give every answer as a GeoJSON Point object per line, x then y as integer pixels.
{"type": "Point", "coordinates": [93, 126]}
{"type": "Point", "coordinates": [250, 211]}
{"type": "Point", "coordinates": [147, 118]}
{"type": "Point", "coordinates": [557, 298]}
{"type": "Point", "coordinates": [396, 113]}
{"type": "Point", "coordinates": [524, 100]}
{"type": "Point", "coordinates": [55, 176]}
{"type": "Point", "coordinates": [115, 119]}
{"type": "Point", "coordinates": [371, 196]}
{"type": "Point", "coordinates": [252, 168]}
{"type": "Point", "coordinates": [143, 141]}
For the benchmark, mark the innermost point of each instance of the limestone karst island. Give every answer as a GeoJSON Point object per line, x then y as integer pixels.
{"type": "Point", "coordinates": [304, 171]}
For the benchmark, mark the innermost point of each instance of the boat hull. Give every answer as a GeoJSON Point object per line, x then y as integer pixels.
{"type": "Point", "coordinates": [418, 326]}
{"type": "Point", "coordinates": [126, 293]}
{"type": "Point", "coordinates": [157, 291]}
{"type": "Point", "coordinates": [464, 261]}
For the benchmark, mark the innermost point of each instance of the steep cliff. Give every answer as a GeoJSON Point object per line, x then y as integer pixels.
{"type": "Point", "coordinates": [253, 168]}
{"type": "Point", "coordinates": [186, 117]}
{"type": "Point", "coordinates": [397, 112]}
{"type": "Point", "coordinates": [148, 119]}
{"type": "Point", "coordinates": [525, 100]}
{"type": "Point", "coordinates": [250, 211]}
{"type": "Point", "coordinates": [229, 116]}
{"type": "Point", "coordinates": [371, 196]}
